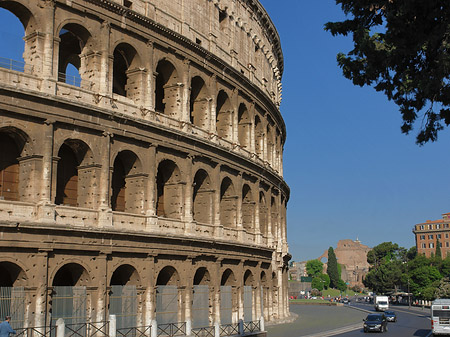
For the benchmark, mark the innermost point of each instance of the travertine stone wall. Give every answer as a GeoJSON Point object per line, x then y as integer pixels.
{"type": "Point", "coordinates": [160, 165]}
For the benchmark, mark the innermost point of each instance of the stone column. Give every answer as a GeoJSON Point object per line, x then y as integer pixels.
{"type": "Point", "coordinates": [150, 293]}
{"type": "Point", "coordinates": [189, 191]}
{"type": "Point", "coordinates": [102, 286]}
{"type": "Point", "coordinates": [234, 121]}
{"type": "Point", "coordinates": [150, 203]}
{"type": "Point", "coordinates": [106, 58]}
{"type": "Point", "coordinates": [149, 95]}
{"type": "Point", "coordinates": [41, 284]}
{"type": "Point", "coordinates": [45, 210]}
{"type": "Point", "coordinates": [239, 226]}
{"type": "Point", "coordinates": [213, 104]}
{"type": "Point", "coordinates": [185, 92]}
{"type": "Point", "coordinates": [216, 179]}
{"type": "Point", "coordinates": [105, 212]}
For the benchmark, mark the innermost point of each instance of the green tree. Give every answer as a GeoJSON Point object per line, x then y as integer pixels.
{"type": "Point", "coordinates": [402, 49]}
{"type": "Point", "coordinates": [332, 268]}
{"type": "Point", "coordinates": [325, 280]}
{"type": "Point", "coordinates": [317, 283]}
{"type": "Point", "coordinates": [314, 268]}
{"type": "Point", "coordinates": [383, 252]}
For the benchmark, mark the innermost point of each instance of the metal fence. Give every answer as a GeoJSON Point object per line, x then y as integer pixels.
{"type": "Point", "coordinates": [12, 303]}
{"type": "Point", "coordinates": [172, 329]}
{"type": "Point", "coordinates": [75, 81]}
{"type": "Point", "coordinates": [203, 332]}
{"type": "Point", "coordinates": [140, 331]}
{"type": "Point", "coordinates": [252, 326]}
{"type": "Point", "coordinates": [229, 329]}
{"type": "Point", "coordinates": [200, 306]}
{"type": "Point", "coordinates": [123, 304]}
{"type": "Point", "coordinates": [44, 331]}
{"type": "Point", "coordinates": [99, 329]}
{"type": "Point", "coordinates": [12, 64]}
{"type": "Point", "coordinates": [226, 305]}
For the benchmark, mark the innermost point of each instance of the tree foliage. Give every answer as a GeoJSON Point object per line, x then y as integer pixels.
{"type": "Point", "coordinates": [314, 268]}
{"type": "Point", "coordinates": [332, 268]}
{"type": "Point", "coordinates": [401, 48]}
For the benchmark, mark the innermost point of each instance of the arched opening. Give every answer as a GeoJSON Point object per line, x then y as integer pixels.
{"type": "Point", "coordinates": [167, 91]}
{"type": "Point", "coordinates": [248, 208]}
{"type": "Point", "coordinates": [201, 302]}
{"type": "Point", "coordinates": [199, 103]}
{"type": "Point", "coordinates": [167, 297]}
{"type": "Point", "coordinates": [73, 44]}
{"type": "Point", "coordinates": [69, 296]}
{"type": "Point", "coordinates": [248, 296]}
{"type": "Point", "coordinates": [224, 116]}
{"type": "Point", "coordinates": [67, 177]}
{"type": "Point", "coordinates": [275, 295]}
{"type": "Point", "coordinates": [244, 126]}
{"type": "Point", "coordinates": [265, 294]}
{"type": "Point", "coordinates": [202, 198]}
{"type": "Point", "coordinates": [259, 137]}
{"type": "Point", "coordinates": [270, 145]}
{"type": "Point", "coordinates": [123, 300]}
{"type": "Point", "coordinates": [228, 297]}
{"type": "Point", "coordinates": [19, 22]}
{"type": "Point", "coordinates": [169, 190]}
{"type": "Point", "coordinates": [262, 214]}
{"type": "Point", "coordinates": [228, 203]}
{"type": "Point", "coordinates": [126, 75]}
{"type": "Point", "coordinates": [12, 293]}
{"type": "Point", "coordinates": [9, 167]}
{"type": "Point", "coordinates": [274, 217]}
{"type": "Point", "coordinates": [126, 183]}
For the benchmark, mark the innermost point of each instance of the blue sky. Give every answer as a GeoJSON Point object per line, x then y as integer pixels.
{"type": "Point", "coordinates": [351, 172]}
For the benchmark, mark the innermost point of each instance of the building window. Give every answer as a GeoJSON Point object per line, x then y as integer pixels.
{"type": "Point", "coordinates": [430, 237]}
{"type": "Point", "coordinates": [422, 227]}
{"type": "Point", "coordinates": [424, 245]}
{"type": "Point", "coordinates": [422, 237]}
{"type": "Point", "coordinates": [446, 225]}
{"type": "Point", "coordinates": [446, 244]}
{"type": "Point", "coordinates": [446, 235]}
{"type": "Point", "coordinates": [440, 244]}
{"type": "Point", "coordinates": [431, 245]}
{"type": "Point", "coordinates": [430, 226]}
{"type": "Point", "coordinates": [438, 236]}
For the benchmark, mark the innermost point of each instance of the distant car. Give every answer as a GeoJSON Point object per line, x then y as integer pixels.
{"type": "Point", "coordinates": [375, 322]}
{"type": "Point", "coordinates": [345, 301]}
{"type": "Point", "coordinates": [390, 316]}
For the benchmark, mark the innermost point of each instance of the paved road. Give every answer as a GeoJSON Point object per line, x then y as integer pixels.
{"type": "Point", "coordinates": [324, 321]}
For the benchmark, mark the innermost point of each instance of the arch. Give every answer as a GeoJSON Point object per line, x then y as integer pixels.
{"type": "Point", "coordinates": [72, 154]}
{"type": "Point", "coordinates": [202, 197]}
{"type": "Point", "coordinates": [126, 60]}
{"type": "Point", "coordinates": [125, 275]}
{"type": "Point", "coordinates": [248, 278]}
{"type": "Point", "coordinates": [244, 126]}
{"type": "Point", "coordinates": [263, 225]}
{"type": "Point", "coordinates": [12, 275]}
{"type": "Point", "coordinates": [168, 276]}
{"type": "Point", "coordinates": [71, 274]}
{"type": "Point", "coordinates": [270, 145]}
{"type": "Point", "coordinates": [199, 103]}
{"type": "Point", "coordinates": [74, 39]}
{"type": "Point", "coordinates": [263, 278]}
{"type": "Point", "coordinates": [124, 182]}
{"type": "Point", "coordinates": [167, 92]}
{"type": "Point", "coordinates": [202, 276]}
{"type": "Point", "coordinates": [9, 167]}
{"type": "Point", "coordinates": [224, 116]}
{"type": "Point", "coordinates": [228, 203]}
{"type": "Point", "coordinates": [274, 217]}
{"type": "Point", "coordinates": [169, 190]}
{"type": "Point", "coordinates": [259, 137]}
{"type": "Point", "coordinates": [228, 278]}
{"type": "Point", "coordinates": [248, 208]}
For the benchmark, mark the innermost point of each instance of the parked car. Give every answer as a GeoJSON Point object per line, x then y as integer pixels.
{"type": "Point", "coordinates": [390, 316]}
{"type": "Point", "coordinates": [375, 322]}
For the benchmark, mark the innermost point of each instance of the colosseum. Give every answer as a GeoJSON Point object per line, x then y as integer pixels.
{"type": "Point", "coordinates": [141, 151]}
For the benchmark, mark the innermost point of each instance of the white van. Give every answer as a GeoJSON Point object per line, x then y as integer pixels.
{"type": "Point", "coordinates": [381, 303]}
{"type": "Point", "coordinates": [440, 316]}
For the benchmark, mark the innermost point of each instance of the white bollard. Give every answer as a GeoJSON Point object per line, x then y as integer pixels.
{"type": "Point", "coordinates": [261, 323]}
{"type": "Point", "coordinates": [60, 328]}
{"type": "Point", "coordinates": [216, 329]}
{"type": "Point", "coordinates": [241, 327]}
{"type": "Point", "coordinates": [112, 325]}
{"type": "Point", "coordinates": [154, 328]}
{"type": "Point", "coordinates": [188, 327]}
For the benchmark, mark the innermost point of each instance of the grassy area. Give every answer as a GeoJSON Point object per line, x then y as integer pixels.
{"type": "Point", "coordinates": [336, 293]}
{"type": "Point", "coordinates": [309, 301]}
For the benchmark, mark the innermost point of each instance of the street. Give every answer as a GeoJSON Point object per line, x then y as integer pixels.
{"type": "Point", "coordinates": [323, 321]}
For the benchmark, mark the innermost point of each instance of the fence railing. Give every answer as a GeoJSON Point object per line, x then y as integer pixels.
{"type": "Point", "coordinates": [172, 329]}
{"type": "Point", "coordinates": [75, 81]}
{"type": "Point", "coordinates": [203, 332]}
{"type": "Point", "coordinates": [229, 329]}
{"type": "Point", "coordinates": [140, 331]}
{"type": "Point", "coordinates": [98, 329]}
{"type": "Point", "coordinates": [15, 65]}
{"type": "Point", "coordinates": [36, 331]}
{"type": "Point", "coordinates": [252, 326]}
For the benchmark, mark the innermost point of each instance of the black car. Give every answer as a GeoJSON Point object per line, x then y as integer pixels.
{"type": "Point", "coordinates": [375, 322]}
{"type": "Point", "coordinates": [390, 316]}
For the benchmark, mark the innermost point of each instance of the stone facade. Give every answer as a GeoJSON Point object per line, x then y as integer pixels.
{"type": "Point", "coordinates": [430, 232]}
{"type": "Point", "coordinates": [352, 256]}
{"type": "Point", "coordinates": [160, 167]}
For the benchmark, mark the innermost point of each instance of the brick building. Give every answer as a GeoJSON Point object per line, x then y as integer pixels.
{"type": "Point", "coordinates": [429, 232]}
